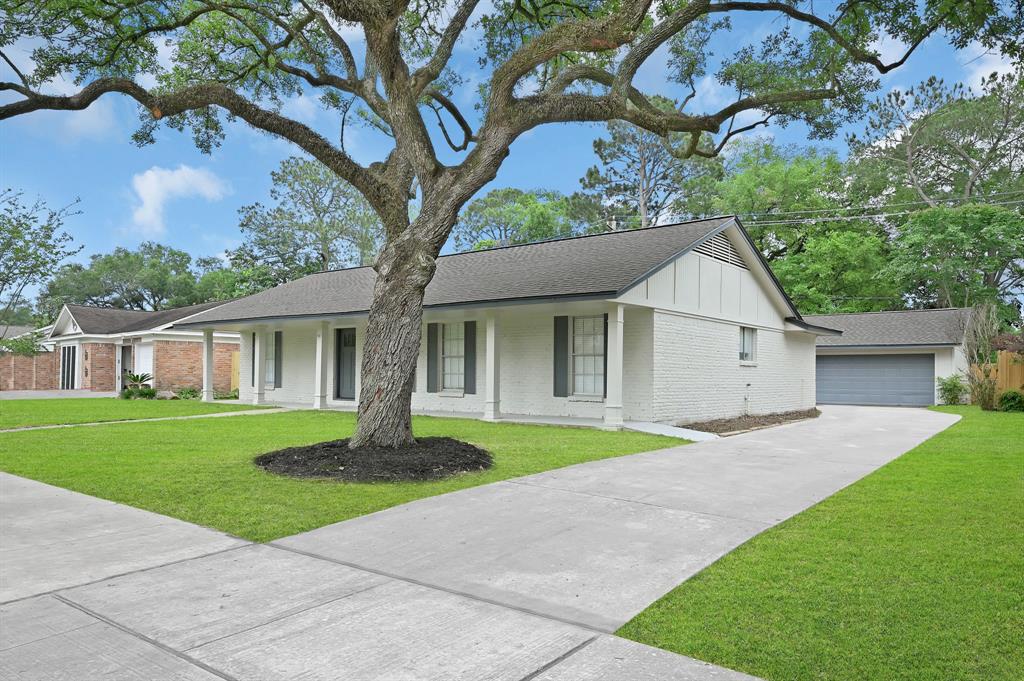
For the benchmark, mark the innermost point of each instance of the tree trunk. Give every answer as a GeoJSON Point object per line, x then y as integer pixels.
{"type": "Point", "coordinates": [404, 268]}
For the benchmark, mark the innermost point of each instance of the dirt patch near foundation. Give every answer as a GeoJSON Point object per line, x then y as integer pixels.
{"type": "Point", "coordinates": [430, 458]}
{"type": "Point", "coordinates": [744, 423]}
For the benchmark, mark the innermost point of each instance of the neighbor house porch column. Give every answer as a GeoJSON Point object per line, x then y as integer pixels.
{"type": "Point", "coordinates": [207, 365]}
{"type": "Point", "coordinates": [613, 377]}
{"type": "Point", "coordinates": [492, 368]}
{"type": "Point", "coordinates": [259, 372]}
{"type": "Point", "coordinates": [320, 364]}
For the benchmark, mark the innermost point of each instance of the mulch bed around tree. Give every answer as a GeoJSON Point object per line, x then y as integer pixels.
{"type": "Point", "coordinates": [431, 458]}
{"type": "Point", "coordinates": [753, 422]}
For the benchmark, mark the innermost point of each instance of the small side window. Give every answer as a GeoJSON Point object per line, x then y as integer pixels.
{"type": "Point", "coordinates": [748, 344]}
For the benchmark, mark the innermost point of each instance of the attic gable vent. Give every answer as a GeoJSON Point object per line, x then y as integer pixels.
{"type": "Point", "coordinates": [720, 248]}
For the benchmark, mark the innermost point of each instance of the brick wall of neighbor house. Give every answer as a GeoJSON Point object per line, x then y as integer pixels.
{"type": "Point", "coordinates": [20, 372]}
{"type": "Point", "coordinates": [698, 376]}
{"type": "Point", "coordinates": [179, 364]}
{"type": "Point", "coordinates": [98, 367]}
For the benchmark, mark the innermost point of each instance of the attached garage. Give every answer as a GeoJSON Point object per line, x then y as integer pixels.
{"type": "Point", "coordinates": [890, 380]}
{"type": "Point", "coordinates": [888, 358]}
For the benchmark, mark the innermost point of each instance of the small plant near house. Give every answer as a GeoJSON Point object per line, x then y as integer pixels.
{"type": "Point", "coordinates": [229, 395]}
{"type": "Point", "coordinates": [188, 394]}
{"type": "Point", "coordinates": [952, 389]}
{"type": "Point", "coordinates": [138, 393]}
{"type": "Point", "coordinates": [137, 380]}
{"type": "Point", "coordinates": [1011, 400]}
{"type": "Point", "coordinates": [979, 335]}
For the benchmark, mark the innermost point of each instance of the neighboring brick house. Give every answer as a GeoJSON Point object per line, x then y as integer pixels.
{"type": "Point", "coordinates": [93, 347]}
{"type": "Point", "coordinates": [675, 323]}
{"type": "Point", "coordinates": [27, 372]}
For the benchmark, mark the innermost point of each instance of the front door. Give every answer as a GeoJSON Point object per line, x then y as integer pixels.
{"type": "Point", "coordinates": [67, 367]}
{"type": "Point", "coordinates": [127, 367]}
{"type": "Point", "coordinates": [345, 364]}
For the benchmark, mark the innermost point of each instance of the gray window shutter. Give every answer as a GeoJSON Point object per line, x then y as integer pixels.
{"type": "Point", "coordinates": [469, 358]}
{"type": "Point", "coordinates": [252, 363]}
{"type": "Point", "coordinates": [278, 358]}
{"type": "Point", "coordinates": [561, 356]}
{"type": "Point", "coordinates": [605, 356]}
{"type": "Point", "coordinates": [432, 372]}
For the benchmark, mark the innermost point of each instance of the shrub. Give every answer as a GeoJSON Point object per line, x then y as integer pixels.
{"type": "Point", "coordinates": [138, 393]}
{"type": "Point", "coordinates": [951, 389]}
{"type": "Point", "coordinates": [188, 394]}
{"type": "Point", "coordinates": [1011, 400]}
{"type": "Point", "coordinates": [230, 395]}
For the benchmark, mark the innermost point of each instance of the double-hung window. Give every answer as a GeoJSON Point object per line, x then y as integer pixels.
{"type": "Point", "coordinates": [453, 356]}
{"type": "Point", "coordinates": [270, 359]}
{"type": "Point", "coordinates": [588, 356]}
{"type": "Point", "coordinates": [748, 344]}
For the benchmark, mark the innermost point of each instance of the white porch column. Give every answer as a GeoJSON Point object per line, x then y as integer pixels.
{"type": "Point", "coordinates": [492, 368]}
{"type": "Point", "coordinates": [320, 367]}
{"type": "Point", "coordinates": [259, 372]}
{"type": "Point", "coordinates": [207, 365]}
{"type": "Point", "coordinates": [613, 400]}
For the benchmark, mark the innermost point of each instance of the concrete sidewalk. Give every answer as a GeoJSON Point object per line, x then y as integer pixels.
{"type": "Point", "coordinates": [516, 580]}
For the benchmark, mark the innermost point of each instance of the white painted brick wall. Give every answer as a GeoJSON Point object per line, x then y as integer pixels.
{"type": "Point", "coordinates": [698, 376]}
{"type": "Point", "coordinates": [527, 347]}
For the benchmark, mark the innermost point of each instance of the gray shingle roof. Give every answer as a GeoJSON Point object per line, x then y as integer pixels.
{"type": "Point", "coordinates": [13, 331]}
{"type": "Point", "coordinates": [600, 264]}
{"type": "Point", "coordinates": [106, 320]}
{"type": "Point", "coordinates": [903, 327]}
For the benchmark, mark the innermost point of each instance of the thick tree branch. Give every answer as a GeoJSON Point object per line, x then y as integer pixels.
{"type": "Point", "coordinates": [443, 51]}
{"type": "Point", "coordinates": [449, 106]}
{"type": "Point", "coordinates": [195, 97]}
{"type": "Point", "coordinates": [829, 28]}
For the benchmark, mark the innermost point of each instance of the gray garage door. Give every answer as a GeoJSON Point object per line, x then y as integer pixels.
{"type": "Point", "coordinates": [899, 380]}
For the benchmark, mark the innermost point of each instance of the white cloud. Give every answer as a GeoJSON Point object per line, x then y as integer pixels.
{"type": "Point", "coordinates": [889, 49]}
{"type": "Point", "coordinates": [156, 186]}
{"type": "Point", "coordinates": [302, 108]}
{"type": "Point", "coordinates": [982, 64]}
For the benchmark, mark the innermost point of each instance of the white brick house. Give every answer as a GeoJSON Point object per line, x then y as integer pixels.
{"type": "Point", "coordinates": [676, 323]}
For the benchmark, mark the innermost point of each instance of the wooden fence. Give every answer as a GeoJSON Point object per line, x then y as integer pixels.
{"type": "Point", "coordinates": [1009, 368]}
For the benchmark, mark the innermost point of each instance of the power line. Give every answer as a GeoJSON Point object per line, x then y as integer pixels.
{"type": "Point", "coordinates": [883, 207]}
{"type": "Point", "coordinates": [843, 218]}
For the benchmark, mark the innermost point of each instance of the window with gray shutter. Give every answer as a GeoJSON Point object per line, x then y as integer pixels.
{"type": "Point", "coordinates": [469, 367]}
{"type": "Point", "coordinates": [561, 360]}
{"type": "Point", "coordinates": [278, 358]}
{"type": "Point", "coordinates": [432, 356]}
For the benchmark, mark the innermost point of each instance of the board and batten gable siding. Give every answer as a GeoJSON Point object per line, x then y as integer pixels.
{"type": "Point", "coordinates": [702, 285]}
{"type": "Point", "coordinates": [698, 375]}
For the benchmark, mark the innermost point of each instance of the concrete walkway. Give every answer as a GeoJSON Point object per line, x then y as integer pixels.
{"type": "Point", "coordinates": [213, 415]}
{"type": "Point", "coordinates": [516, 580]}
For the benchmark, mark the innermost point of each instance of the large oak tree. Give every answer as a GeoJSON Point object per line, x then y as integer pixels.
{"type": "Point", "coordinates": [542, 62]}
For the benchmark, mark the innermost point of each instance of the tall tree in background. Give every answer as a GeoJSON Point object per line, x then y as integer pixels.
{"type": "Point", "coordinates": [644, 176]}
{"type": "Point", "coordinates": [778, 191]}
{"type": "Point", "coordinates": [962, 256]}
{"type": "Point", "coordinates": [938, 142]}
{"type": "Point", "coordinates": [320, 222]}
{"type": "Point", "coordinates": [513, 216]}
{"type": "Point", "coordinates": [545, 62]}
{"type": "Point", "coordinates": [32, 245]}
{"type": "Point", "coordinates": [151, 277]}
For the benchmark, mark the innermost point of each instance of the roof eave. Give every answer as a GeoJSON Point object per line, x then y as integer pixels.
{"type": "Point", "coordinates": [814, 328]}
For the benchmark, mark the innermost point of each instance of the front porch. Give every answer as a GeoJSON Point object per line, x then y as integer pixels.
{"type": "Point", "coordinates": [561, 364]}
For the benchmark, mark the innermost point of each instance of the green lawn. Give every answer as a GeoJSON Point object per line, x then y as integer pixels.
{"type": "Point", "coordinates": [20, 413]}
{"type": "Point", "coordinates": [202, 470]}
{"type": "Point", "coordinates": [915, 572]}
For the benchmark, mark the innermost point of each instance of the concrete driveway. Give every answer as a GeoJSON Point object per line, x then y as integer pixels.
{"type": "Point", "coordinates": [517, 580]}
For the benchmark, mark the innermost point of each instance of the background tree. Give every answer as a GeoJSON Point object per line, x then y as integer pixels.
{"type": "Point", "coordinates": [778, 192]}
{"type": "Point", "coordinates": [962, 256]}
{"type": "Point", "coordinates": [644, 176]}
{"type": "Point", "coordinates": [841, 271]}
{"type": "Point", "coordinates": [513, 216]}
{"type": "Point", "coordinates": [544, 62]}
{"type": "Point", "coordinates": [320, 223]}
{"type": "Point", "coordinates": [32, 246]}
{"type": "Point", "coordinates": [152, 277]}
{"type": "Point", "coordinates": [938, 142]}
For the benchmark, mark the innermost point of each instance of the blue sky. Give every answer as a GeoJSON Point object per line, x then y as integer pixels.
{"type": "Point", "coordinates": [172, 193]}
